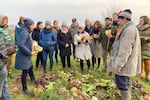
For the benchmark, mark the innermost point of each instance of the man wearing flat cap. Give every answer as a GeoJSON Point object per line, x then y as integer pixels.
{"type": "Point", "coordinates": [125, 59]}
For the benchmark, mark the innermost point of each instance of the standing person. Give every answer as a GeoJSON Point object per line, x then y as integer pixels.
{"type": "Point", "coordinates": [125, 59]}
{"type": "Point", "coordinates": [65, 40]}
{"type": "Point", "coordinates": [144, 30]}
{"type": "Point", "coordinates": [23, 57]}
{"type": "Point", "coordinates": [115, 20]}
{"type": "Point", "coordinates": [83, 50]}
{"type": "Point", "coordinates": [4, 95]}
{"type": "Point", "coordinates": [96, 45]}
{"type": "Point", "coordinates": [88, 26]}
{"type": "Point", "coordinates": [35, 37]}
{"type": "Point", "coordinates": [56, 29]}
{"type": "Point", "coordinates": [74, 30]}
{"type": "Point", "coordinates": [5, 34]}
{"type": "Point", "coordinates": [48, 41]}
{"type": "Point", "coordinates": [107, 36]}
{"type": "Point", "coordinates": [17, 29]}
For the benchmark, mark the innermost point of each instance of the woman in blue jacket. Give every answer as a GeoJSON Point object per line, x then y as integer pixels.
{"type": "Point", "coordinates": [23, 57]}
{"type": "Point", "coordinates": [48, 41]}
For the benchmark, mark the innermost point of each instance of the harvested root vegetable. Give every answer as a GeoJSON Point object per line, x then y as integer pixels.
{"type": "Point", "coordinates": [75, 83]}
{"type": "Point", "coordinates": [147, 97]}
{"type": "Point", "coordinates": [74, 91]}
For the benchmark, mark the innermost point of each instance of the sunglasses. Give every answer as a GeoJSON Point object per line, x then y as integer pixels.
{"type": "Point", "coordinates": [121, 17]}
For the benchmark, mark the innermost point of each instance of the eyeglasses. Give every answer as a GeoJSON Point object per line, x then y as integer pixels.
{"type": "Point", "coordinates": [121, 17]}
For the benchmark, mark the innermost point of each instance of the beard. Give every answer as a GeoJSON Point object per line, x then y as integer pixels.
{"type": "Point", "coordinates": [64, 31]}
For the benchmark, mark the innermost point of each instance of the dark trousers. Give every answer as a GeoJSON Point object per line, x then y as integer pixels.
{"type": "Point", "coordinates": [56, 53]}
{"type": "Point", "coordinates": [94, 61]}
{"type": "Point", "coordinates": [74, 49]}
{"type": "Point", "coordinates": [63, 61]}
{"type": "Point", "coordinates": [123, 82]}
{"type": "Point", "coordinates": [24, 77]}
{"type": "Point", "coordinates": [38, 59]}
{"type": "Point", "coordinates": [82, 64]}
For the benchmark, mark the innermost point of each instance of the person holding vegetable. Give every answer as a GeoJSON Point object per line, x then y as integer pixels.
{"type": "Point", "coordinates": [83, 50]}
{"type": "Point", "coordinates": [144, 31]}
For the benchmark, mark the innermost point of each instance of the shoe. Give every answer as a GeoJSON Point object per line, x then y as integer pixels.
{"type": "Point", "coordinates": [26, 92]}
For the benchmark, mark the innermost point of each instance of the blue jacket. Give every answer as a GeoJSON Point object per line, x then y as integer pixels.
{"type": "Point", "coordinates": [47, 38]}
{"type": "Point", "coordinates": [23, 56]}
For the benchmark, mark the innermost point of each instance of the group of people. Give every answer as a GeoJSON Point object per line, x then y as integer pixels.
{"type": "Point", "coordinates": [126, 44]}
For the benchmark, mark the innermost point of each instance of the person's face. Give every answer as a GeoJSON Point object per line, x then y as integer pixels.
{"type": "Point", "coordinates": [87, 23]}
{"type": "Point", "coordinates": [64, 28]}
{"type": "Point", "coordinates": [48, 26]}
{"type": "Point", "coordinates": [96, 25]}
{"type": "Point", "coordinates": [122, 21]}
{"type": "Point", "coordinates": [31, 27]}
{"type": "Point", "coordinates": [40, 26]}
{"type": "Point", "coordinates": [56, 24]}
{"type": "Point", "coordinates": [115, 17]}
{"type": "Point", "coordinates": [74, 23]}
{"type": "Point", "coordinates": [80, 30]}
{"type": "Point", "coordinates": [141, 22]}
{"type": "Point", "coordinates": [108, 22]}
{"type": "Point", "coordinates": [5, 21]}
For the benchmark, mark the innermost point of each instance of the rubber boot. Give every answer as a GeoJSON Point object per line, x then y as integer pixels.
{"type": "Point", "coordinates": [126, 95]}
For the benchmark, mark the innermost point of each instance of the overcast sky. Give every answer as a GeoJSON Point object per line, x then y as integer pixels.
{"type": "Point", "coordinates": [65, 10]}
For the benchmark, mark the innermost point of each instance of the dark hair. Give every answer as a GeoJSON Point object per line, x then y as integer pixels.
{"type": "Point", "coordinates": [80, 27]}
{"type": "Point", "coordinates": [145, 18]}
{"type": "Point", "coordinates": [38, 23]}
{"type": "Point", "coordinates": [108, 18]}
{"type": "Point", "coordinates": [128, 10]}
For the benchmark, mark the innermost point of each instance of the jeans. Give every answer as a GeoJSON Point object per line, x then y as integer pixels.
{"type": "Point", "coordinates": [44, 56]}
{"type": "Point", "coordinates": [123, 82]}
{"type": "Point", "coordinates": [24, 77]}
{"type": "Point", "coordinates": [4, 95]}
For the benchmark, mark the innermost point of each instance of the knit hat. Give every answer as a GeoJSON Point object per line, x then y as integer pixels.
{"type": "Point", "coordinates": [125, 14]}
{"type": "Point", "coordinates": [47, 23]}
{"type": "Point", "coordinates": [64, 24]}
{"type": "Point", "coordinates": [28, 22]}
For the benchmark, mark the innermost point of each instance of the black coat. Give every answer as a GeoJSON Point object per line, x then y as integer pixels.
{"type": "Point", "coordinates": [35, 34]}
{"type": "Point", "coordinates": [63, 39]}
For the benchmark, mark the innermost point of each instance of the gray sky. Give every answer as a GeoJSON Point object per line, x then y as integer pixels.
{"type": "Point", "coordinates": [65, 10]}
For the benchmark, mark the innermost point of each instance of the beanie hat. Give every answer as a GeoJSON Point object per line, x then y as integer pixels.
{"type": "Point", "coordinates": [28, 22]}
{"type": "Point", "coordinates": [125, 14]}
{"type": "Point", "coordinates": [64, 24]}
{"type": "Point", "coordinates": [47, 23]}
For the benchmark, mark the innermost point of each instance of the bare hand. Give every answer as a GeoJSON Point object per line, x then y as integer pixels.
{"type": "Point", "coordinates": [118, 70]}
{"type": "Point", "coordinates": [67, 45]}
{"type": "Point", "coordinates": [95, 36]}
{"type": "Point", "coordinates": [33, 53]}
{"type": "Point", "coordinates": [109, 36]}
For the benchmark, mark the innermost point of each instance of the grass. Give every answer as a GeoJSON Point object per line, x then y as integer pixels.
{"type": "Point", "coordinates": [15, 87]}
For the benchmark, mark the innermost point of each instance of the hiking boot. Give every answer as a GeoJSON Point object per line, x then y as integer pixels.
{"type": "Point", "coordinates": [26, 92]}
{"type": "Point", "coordinates": [126, 95]}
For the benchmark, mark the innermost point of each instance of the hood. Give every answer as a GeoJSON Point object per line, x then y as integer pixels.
{"type": "Point", "coordinates": [144, 27]}
{"type": "Point", "coordinates": [1, 18]}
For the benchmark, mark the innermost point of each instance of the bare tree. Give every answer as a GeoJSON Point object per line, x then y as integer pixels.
{"type": "Point", "coordinates": [110, 11]}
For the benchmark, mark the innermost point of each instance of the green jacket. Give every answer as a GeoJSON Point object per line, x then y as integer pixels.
{"type": "Point", "coordinates": [145, 45]}
{"type": "Point", "coordinates": [4, 32]}
{"type": "Point", "coordinates": [104, 38]}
